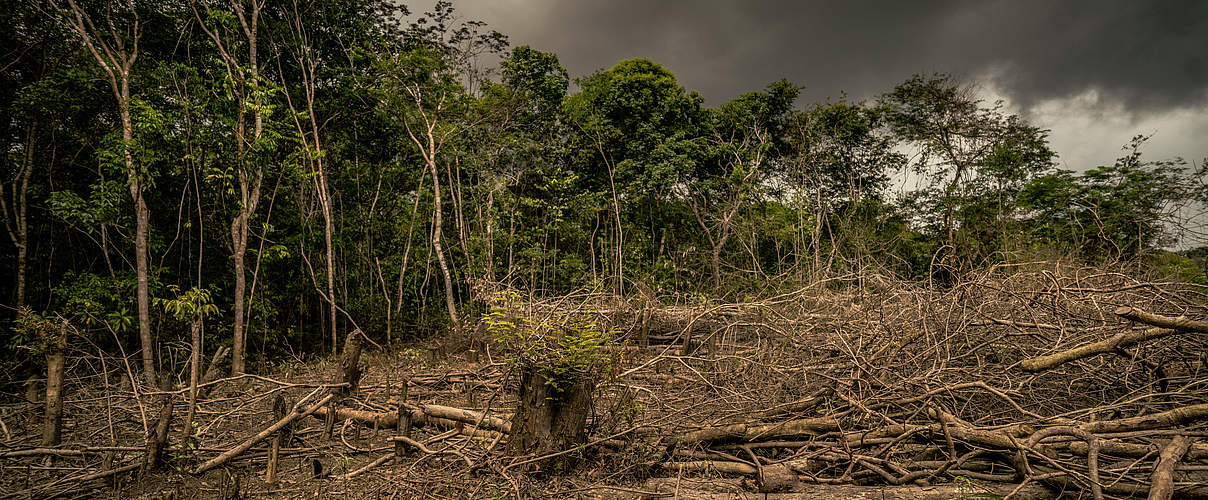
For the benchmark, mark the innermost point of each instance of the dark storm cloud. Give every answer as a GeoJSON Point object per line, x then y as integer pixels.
{"type": "Point", "coordinates": [1151, 55]}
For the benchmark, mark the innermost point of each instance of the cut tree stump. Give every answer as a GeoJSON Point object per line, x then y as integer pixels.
{"type": "Point", "coordinates": [55, 359]}
{"type": "Point", "coordinates": [551, 418]}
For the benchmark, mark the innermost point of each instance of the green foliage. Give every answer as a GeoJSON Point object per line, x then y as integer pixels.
{"type": "Point", "coordinates": [192, 305]}
{"type": "Point", "coordinates": [1111, 212]}
{"type": "Point", "coordinates": [547, 187]}
{"type": "Point", "coordinates": [561, 346]}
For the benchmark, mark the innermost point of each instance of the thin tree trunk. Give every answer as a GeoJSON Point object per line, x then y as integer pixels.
{"type": "Point", "coordinates": [436, 240]}
{"type": "Point", "coordinates": [239, 237]}
{"type": "Point", "coordinates": [194, 378]}
{"type": "Point", "coordinates": [142, 224]}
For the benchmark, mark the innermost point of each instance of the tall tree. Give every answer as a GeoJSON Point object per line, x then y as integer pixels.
{"type": "Point", "coordinates": [112, 38]}
{"type": "Point", "coordinates": [231, 26]}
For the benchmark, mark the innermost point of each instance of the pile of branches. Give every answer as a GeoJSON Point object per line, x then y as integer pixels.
{"type": "Point", "coordinates": [1077, 380]}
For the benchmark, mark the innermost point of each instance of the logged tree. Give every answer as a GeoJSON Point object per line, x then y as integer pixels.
{"type": "Point", "coordinates": [559, 359]}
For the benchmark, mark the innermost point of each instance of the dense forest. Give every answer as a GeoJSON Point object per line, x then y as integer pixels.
{"type": "Point", "coordinates": [304, 167]}
{"type": "Point", "coordinates": [189, 176]}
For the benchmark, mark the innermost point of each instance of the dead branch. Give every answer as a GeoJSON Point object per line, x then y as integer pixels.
{"type": "Point", "coordinates": [1163, 471]}
{"type": "Point", "coordinates": [295, 414]}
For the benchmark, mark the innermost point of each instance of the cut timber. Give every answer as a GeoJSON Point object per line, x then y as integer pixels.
{"type": "Point", "coordinates": [1164, 326]}
{"type": "Point", "coordinates": [754, 432]}
{"type": "Point", "coordinates": [777, 478]}
{"type": "Point", "coordinates": [350, 363]}
{"type": "Point", "coordinates": [713, 466]}
{"type": "Point", "coordinates": [280, 424]}
{"type": "Point", "coordinates": [274, 453]}
{"type": "Point", "coordinates": [1170, 418]}
{"type": "Point", "coordinates": [350, 368]}
{"type": "Point", "coordinates": [53, 424]}
{"type": "Point", "coordinates": [1197, 451]}
{"type": "Point", "coordinates": [1180, 323]}
{"type": "Point", "coordinates": [443, 416]}
{"type": "Point", "coordinates": [1118, 341]}
{"type": "Point", "coordinates": [1163, 471]}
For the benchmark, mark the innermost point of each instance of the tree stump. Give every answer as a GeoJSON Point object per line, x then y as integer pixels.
{"type": "Point", "coordinates": [551, 417]}
{"type": "Point", "coordinates": [777, 478]}
{"type": "Point", "coordinates": [350, 365]}
{"type": "Point", "coordinates": [53, 424]}
{"type": "Point", "coordinates": [159, 435]}
{"type": "Point", "coordinates": [274, 452]}
{"type": "Point", "coordinates": [404, 423]}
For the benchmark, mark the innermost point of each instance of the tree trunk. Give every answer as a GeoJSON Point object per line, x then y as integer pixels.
{"type": "Point", "coordinates": [328, 228]}
{"type": "Point", "coordinates": [239, 238]}
{"type": "Point", "coordinates": [21, 213]}
{"type": "Point", "coordinates": [194, 378]}
{"type": "Point", "coordinates": [551, 418]}
{"type": "Point", "coordinates": [142, 221]}
{"type": "Point", "coordinates": [436, 242]}
{"type": "Point", "coordinates": [55, 359]}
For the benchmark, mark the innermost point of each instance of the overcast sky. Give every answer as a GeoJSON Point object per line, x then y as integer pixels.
{"type": "Point", "coordinates": [1094, 72]}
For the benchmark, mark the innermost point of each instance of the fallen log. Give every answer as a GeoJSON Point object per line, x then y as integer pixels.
{"type": "Point", "coordinates": [1170, 418]}
{"type": "Point", "coordinates": [1118, 341]}
{"type": "Point", "coordinates": [1162, 480]}
{"type": "Point", "coordinates": [444, 416]}
{"type": "Point", "coordinates": [754, 432]}
{"type": "Point", "coordinates": [713, 466]}
{"type": "Point", "coordinates": [1164, 326]}
{"type": "Point", "coordinates": [1197, 451]}
{"type": "Point", "coordinates": [1181, 323]}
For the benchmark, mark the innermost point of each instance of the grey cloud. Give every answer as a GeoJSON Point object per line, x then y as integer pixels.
{"type": "Point", "coordinates": [1150, 55]}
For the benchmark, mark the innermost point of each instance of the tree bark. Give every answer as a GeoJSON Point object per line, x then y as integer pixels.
{"type": "Point", "coordinates": [437, 229]}
{"type": "Point", "coordinates": [55, 359]}
{"type": "Point", "coordinates": [551, 418]}
{"type": "Point", "coordinates": [194, 378]}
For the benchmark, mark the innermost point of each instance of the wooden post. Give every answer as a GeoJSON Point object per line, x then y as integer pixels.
{"type": "Point", "coordinates": [274, 453]}
{"type": "Point", "coordinates": [404, 422]}
{"type": "Point", "coordinates": [689, 345]}
{"type": "Point", "coordinates": [55, 359]}
{"type": "Point", "coordinates": [644, 330]}
{"type": "Point", "coordinates": [351, 375]}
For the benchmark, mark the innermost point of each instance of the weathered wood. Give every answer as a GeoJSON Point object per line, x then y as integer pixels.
{"type": "Point", "coordinates": [53, 424]}
{"type": "Point", "coordinates": [274, 453]}
{"type": "Point", "coordinates": [712, 466]}
{"type": "Point", "coordinates": [350, 370]}
{"type": "Point", "coordinates": [1118, 341]}
{"type": "Point", "coordinates": [1181, 323]}
{"type": "Point", "coordinates": [1170, 418]}
{"type": "Point", "coordinates": [423, 415]}
{"type": "Point", "coordinates": [550, 419]}
{"type": "Point", "coordinates": [1164, 327]}
{"type": "Point", "coordinates": [350, 363]}
{"type": "Point", "coordinates": [159, 437]}
{"type": "Point", "coordinates": [403, 426]}
{"type": "Point", "coordinates": [754, 432]}
{"type": "Point", "coordinates": [1162, 480]}
{"type": "Point", "coordinates": [777, 478]}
